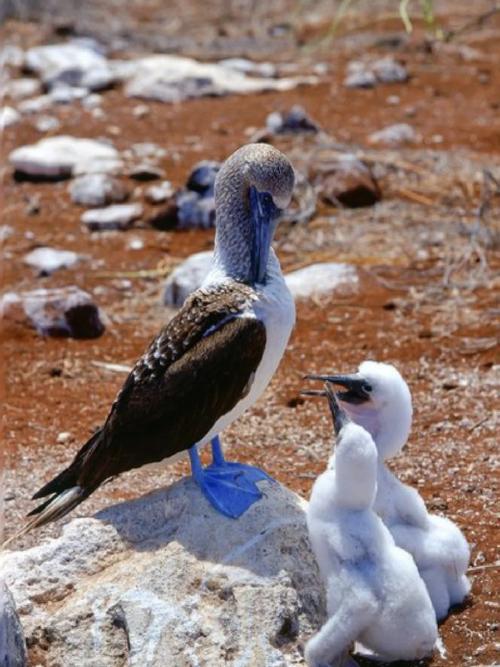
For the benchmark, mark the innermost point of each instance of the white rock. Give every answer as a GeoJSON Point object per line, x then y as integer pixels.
{"type": "Point", "coordinates": [6, 231]}
{"type": "Point", "coordinates": [47, 260]}
{"type": "Point", "coordinates": [359, 76]}
{"type": "Point", "coordinates": [35, 104]}
{"type": "Point", "coordinates": [11, 55]}
{"type": "Point", "coordinates": [12, 644]}
{"type": "Point", "coordinates": [321, 279]}
{"type": "Point", "coordinates": [8, 116]}
{"type": "Point", "coordinates": [367, 74]}
{"type": "Point", "coordinates": [76, 64]}
{"type": "Point", "coordinates": [388, 70]}
{"type": "Point", "coordinates": [119, 216]}
{"type": "Point", "coordinates": [96, 190]}
{"type": "Point", "coordinates": [18, 89]}
{"type": "Point", "coordinates": [46, 123]}
{"type": "Point", "coordinates": [99, 165]}
{"type": "Point", "coordinates": [165, 580]}
{"type": "Point", "coordinates": [186, 278]}
{"type": "Point", "coordinates": [58, 156]}
{"type": "Point", "coordinates": [314, 280]}
{"type": "Point", "coordinates": [394, 135]}
{"type": "Point", "coordinates": [66, 311]}
{"type": "Point", "coordinates": [62, 93]}
{"type": "Point", "coordinates": [172, 78]}
{"type": "Point", "coordinates": [157, 194]}
{"type": "Point", "coordinates": [267, 70]}
{"type": "Point", "coordinates": [92, 101]}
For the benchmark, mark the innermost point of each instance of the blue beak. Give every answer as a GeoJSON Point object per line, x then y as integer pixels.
{"type": "Point", "coordinates": [264, 214]}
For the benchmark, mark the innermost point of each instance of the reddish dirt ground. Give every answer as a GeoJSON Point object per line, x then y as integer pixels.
{"type": "Point", "coordinates": [440, 333]}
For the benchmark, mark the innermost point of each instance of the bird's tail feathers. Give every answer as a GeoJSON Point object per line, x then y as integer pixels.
{"type": "Point", "coordinates": [50, 510]}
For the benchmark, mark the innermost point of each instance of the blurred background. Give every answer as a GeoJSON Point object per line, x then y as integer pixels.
{"type": "Point", "coordinates": [115, 117]}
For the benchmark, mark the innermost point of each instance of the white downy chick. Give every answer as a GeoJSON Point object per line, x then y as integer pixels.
{"type": "Point", "coordinates": [378, 398]}
{"type": "Point", "coordinates": [374, 592]}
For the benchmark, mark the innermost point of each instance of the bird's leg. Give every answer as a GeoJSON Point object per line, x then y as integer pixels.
{"type": "Point", "coordinates": [230, 487]}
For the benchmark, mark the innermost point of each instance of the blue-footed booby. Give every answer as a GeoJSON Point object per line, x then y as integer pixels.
{"type": "Point", "coordinates": [210, 362]}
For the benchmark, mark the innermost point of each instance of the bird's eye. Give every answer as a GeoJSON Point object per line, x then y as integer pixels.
{"type": "Point", "coordinates": [367, 387]}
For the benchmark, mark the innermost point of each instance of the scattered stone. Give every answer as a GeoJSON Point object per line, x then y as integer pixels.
{"type": "Point", "coordinates": [186, 278]}
{"type": "Point", "coordinates": [361, 74]}
{"type": "Point", "coordinates": [295, 121]}
{"type": "Point", "coordinates": [35, 104]}
{"type": "Point", "coordinates": [394, 135]}
{"type": "Point", "coordinates": [157, 194]}
{"type": "Point", "coordinates": [314, 280]}
{"type": "Point", "coordinates": [12, 644]}
{"type": "Point", "coordinates": [147, 150]}
{"type": "Point", "coordinates": [47, 260]}
{"type": "Point", "coordinates": [63, 437]}
{"type": "Point", "coordinates": [119, 216]}
{"type": "Point", "coordinates": [245, 66]}
{"type": "Point", "coordinates": [350, 183]}
{"type": "Point", "coordinates": [136, 244]}
{"type": "Point", "coordinates": [165, 580]}
{"type": "Point", "coordinates": [92, 101]}
{"type": "Point", "coordinates": [388, 70]}
{"type": "Point", "coordinates": [202, 177]}
{"type": "Point", "coordinates": [67, 311]}
{"type": "Point", "coordinates": [322, 279]}
{"type": "Point", "coordinates": [146, 172]}
{"type": "Point", "coordinates": [75, 64]}
{"type": "Point", "coordinates": [57, 157]}
{"type": "Point", "coordinates": [6, 231]}
{"type": "Point", "coordinates": [168, 78]}
{"type": "Point", "coordinates": [19, 89]}
{"type": "Point", "coordinates": [113, 166]}
{"type": "Point", "coordinates": [32, 208]}
{"type": "Point", "coordinates": [97, 190]}
{"type": "Point", "coordinates": [11, 55]}
{"type": "Point", "coordinates": [8, 116]}
{"type": "Point", "coordinates": [64, 94]}
{"type": "Point", "coordinates": [46, 124]}
{"type": "Point", "coordinates": [140, 111]}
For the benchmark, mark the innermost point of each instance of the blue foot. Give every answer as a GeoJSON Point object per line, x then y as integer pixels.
{"type": "Point", "coordinates": [230, 487]}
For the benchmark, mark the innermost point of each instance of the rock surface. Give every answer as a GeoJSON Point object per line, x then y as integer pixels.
{"type": "Point", "coordinates": [168, 78]}
{"type": "Point", "coordinates": [8, 116]}
{"type": "Point", "coordinates": [294, 121]}
{"type": "Point", "coordinates": [57, 157]}
{"type": "Point", "coordinates": [186, 278]}
{"type": "Point", "coordinates": [394, 135]}
{"type": "Point", "coordinates": [97, 190]}
{"type": "Point", "coordinates": [367, 74]}
{"type": "Point", "coordinates": [314, 280]}
{"type": "Point", "coordinates": [47, 260]}
{"type": "Point", "coordinates": [12, 644]}
{"type": "Point", "coordinates": [165, 580]}
{"type": "Point", "coordinates": [66, 311]}
{"type": "Point", "coordinates": [119, 216]}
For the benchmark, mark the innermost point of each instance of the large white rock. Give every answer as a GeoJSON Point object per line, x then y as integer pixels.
{"type": "Point", "coordinates": [321, 279]}
{"type": "Point", "coordinates": [76, 64]}
{"type": "Point", "coordinates": [47, 260]}
{"type": "Point", "coordinates": [118, 216]}
{"type": "Point", "coordinates": [173, 78]}
{"type": "Point", "coordinates": [12, 644]}
{"type": "Point", "coordinates": [165, 580]}
{"type": "Point", "coordinates": [59, 156]}
{"type": "Point", "coordinates": [97, 190]}
{"type": "Point", "coordinates": [314, 280]}
{"type": "Point", "coordinates": [394, 135]}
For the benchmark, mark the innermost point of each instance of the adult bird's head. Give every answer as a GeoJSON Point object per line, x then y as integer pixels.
{"type": "Point", "coordinates": [377, 398]}
{"type": "Point", "coordinates": [253, 186]}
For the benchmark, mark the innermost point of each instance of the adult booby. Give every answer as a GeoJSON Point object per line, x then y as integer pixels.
{"type": "Point", "coordinates": [374, 592]}
{"type": "Point", "coordinates": [378, 398]}
{"type": "Point", "coordinates": [210, 362]}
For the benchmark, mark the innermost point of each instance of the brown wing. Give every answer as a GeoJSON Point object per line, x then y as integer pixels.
{"type": "Point", "coordinates": [196, 370]}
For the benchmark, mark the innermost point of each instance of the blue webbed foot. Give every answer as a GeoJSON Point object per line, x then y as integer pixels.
{"type": "Point", "coordinates": [230, 487]}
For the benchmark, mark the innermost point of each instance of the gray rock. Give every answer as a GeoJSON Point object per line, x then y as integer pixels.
{"type": "Point", "coordinates": [62, 93]}
{"type": "Point", "coordinates": [388, 70]}
{"type": "Point", "coordinates": [147, 150]}
{"type": "Point", "coordinates": [97, 190]}
{"type": "Point", "coordinates": [165, 580]}
{"type": "Point", "coordinates": [75, 64]}
{"type": "Point", "coordinates": [186, 278]}
{"type": "Point", "coordinates": [92, 101]}
{"type": "Point", "coordinates": [394, 135]}
{"type": "Point", "coordinates": [169, 78]}
{"type": "Point", "coordinates": [322, 279]}
{"type": "Point", "coordinates": [359, 76]}
{"type": "Point", "coordinates": [245, 66]}
{"type": "Point", "coordinates": [119, 216]}
{"type": "Point", "coordinates": [19, 89]}
{"type": "Point", "coordinates": [46, 123]}
{"type": "Point", "coordinates": [12, 644]}
{"type": "Point", "coordinates": [8, 116]}
{"type": "Point", "coordinates": [47, 260]}
{"type": "Point", "coordinates": [157, 194]}
{"type": "Point", "coordinates": [57, 157]}
{"type": "Point", "coordinates": [112, 166]}
{"type": "Point", "coordinates": [314, 280]}
{"type": "Point", "coordinates": [35, 104]}
{"type": "Point", "coordinates": [367, 74]}
{"type": "Point", "coordinates": [68, 311]}
{"type": "Point", "coordinates": [293, 122]}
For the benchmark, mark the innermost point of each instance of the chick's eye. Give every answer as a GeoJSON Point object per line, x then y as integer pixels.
{"type": "Point", "coordinates": [367, 387]}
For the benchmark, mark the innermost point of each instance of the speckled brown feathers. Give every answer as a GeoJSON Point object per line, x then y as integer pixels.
{"type": "Point", "coordinates": [196, 370]}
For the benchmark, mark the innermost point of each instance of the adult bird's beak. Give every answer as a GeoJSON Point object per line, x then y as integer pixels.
{"type": "Point", "coordinates": [340, 418]}
{"type": "Point", "coordinates": [357, 388]}
{"type": "Point", "coordinates": [264, 214]}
